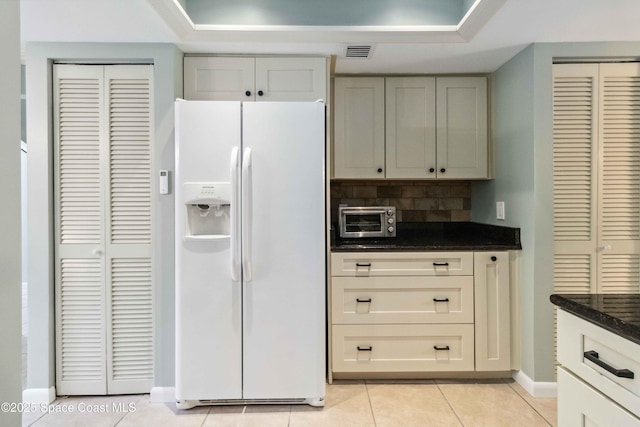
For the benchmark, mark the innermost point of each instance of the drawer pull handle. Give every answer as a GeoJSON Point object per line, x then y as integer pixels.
{"type": "Point", "coordinates": [440, 264]}
{"type": "Point", "coordinates": [365, 348]}
{"type": "Point", "coordinates": [446, 347]}
{"type": "Point", "coordinates": [594, 357]}
{"type": "Point", "coordinates": [363, 264]}
{"type": "Point", "coordinates": [363, 300]}
{"type": "Point", "coordinates": [441, 300]}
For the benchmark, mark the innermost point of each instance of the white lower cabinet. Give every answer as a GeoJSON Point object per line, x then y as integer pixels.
{"type": "Point", "coordinates": [598, 383]}
{"type": "Point", "coordinates": [419, 312]}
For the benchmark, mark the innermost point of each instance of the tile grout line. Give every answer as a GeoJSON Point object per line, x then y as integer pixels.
{"type": "Point", "coordinates": [531, 406]}
{"type": "Point", "coordinates": [206, 416]}
{"type": "Point", "coordinates": [373, 414]}
{"type": "Point", "coordinates": [449, 403]}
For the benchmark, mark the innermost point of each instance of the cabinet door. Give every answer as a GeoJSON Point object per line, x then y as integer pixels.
{"type": "Point", "coordinates": [411, 127]}
{"type": "Point", "coordinates": [492, 303]}
{"type": "Point", "coordinates": [582, 406]}
{"type": "Point", "coordinates": [291, 79]}
{"type": "Point", "coordinates": [359, 127]}
{"type": "Point", "coordinates": [461, 112]}
{"type": "Point", "coordinates": [219, 79]}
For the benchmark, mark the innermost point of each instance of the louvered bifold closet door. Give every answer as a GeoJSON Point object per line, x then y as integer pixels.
{"type": "Point", "coordinates": [575, 149]}
{"type": "Point", "coordinates": [619, 232]}
{"type": "Point", "coordinates": [575, 130]}
{"type": "Point", "coordinates": [104, 337]}
{"type": "Point", "coordinates": [79, 222]}
{"type": "Point", "coordinates": [128, 243]}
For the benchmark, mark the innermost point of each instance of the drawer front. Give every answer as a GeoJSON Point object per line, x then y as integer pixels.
{"type": "Point", "coordinates": [580, 405]}
{"type": "Point", "coordinates": [366, 300]}
{"type": "Point", "coordinates": [363, 264]}
{"type": "Point", "coordinates": [402, 348]}
{"type": "Point", "coordinates": [577, 336]}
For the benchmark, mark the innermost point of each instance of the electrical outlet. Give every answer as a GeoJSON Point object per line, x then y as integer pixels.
{"type": "Point", "coordinates": [500, 210]}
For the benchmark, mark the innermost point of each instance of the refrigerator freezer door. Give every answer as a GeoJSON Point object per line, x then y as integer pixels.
{"type": "Point", "coordinates": [284, 303]}
{"type": "Point", "coordinates": [208, 301]}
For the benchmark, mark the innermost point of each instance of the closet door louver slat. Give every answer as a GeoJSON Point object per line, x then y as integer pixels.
{"type": "Point", "coordinates": [131, 355]}
{"type": "Point", "coordinates": [82, 325]}
{"type": "Point", "coordinates": [130, 160]}
{"type": "Point", "coordinates": [573, 158]}
{"type": "Point", "coordinates": [78, 159]}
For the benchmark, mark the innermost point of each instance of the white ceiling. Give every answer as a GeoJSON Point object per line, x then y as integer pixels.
{"type": "Point", "coordinates": [515, 25]}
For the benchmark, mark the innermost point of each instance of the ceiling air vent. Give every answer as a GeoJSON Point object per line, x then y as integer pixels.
{"type": "Point", "coordinates": [358, 51]}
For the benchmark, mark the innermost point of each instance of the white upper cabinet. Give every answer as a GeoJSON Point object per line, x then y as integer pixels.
{"type": "Point", "coordinates": [254, 79]}
{"type": "Point", "coordinates": [461, 113]}
{"type": "Point", "coordinates": [411, 127]}
{"type": "Point", "coordinates": [291, 79]}
{"type": "Point", "coordinates": [220, 79]}
{"type": "Point", "coordinates": [430, 128]}
{"type": "Point", "coordinates": [359, 127]}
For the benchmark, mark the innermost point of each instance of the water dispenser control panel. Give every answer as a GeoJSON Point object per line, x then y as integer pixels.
{"type": "Point", "coordinates": [208, 207]}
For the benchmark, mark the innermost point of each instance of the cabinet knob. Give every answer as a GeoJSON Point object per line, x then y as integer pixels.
{"type": "Point", "coordinates": [432, 170]}
{"type": "Point", "coordinates": [494, 258]}
{"type": "Point", "coordinates": [379, 170]}
{"type": "Point", "coordinates": [260, 93]}
{"type": "Point", "coordinates": [442, 170]}
{"type": "Point", "coordinates": [248, 93]}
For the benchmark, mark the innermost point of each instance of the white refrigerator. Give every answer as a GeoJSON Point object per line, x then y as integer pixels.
{"type": "Point", "coordinates": [250, 251]}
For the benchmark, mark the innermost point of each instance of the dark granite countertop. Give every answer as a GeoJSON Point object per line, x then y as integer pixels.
{"type": "Point", "coordinates": [435, 236]}
{"type": "Point", "coordinates": [618, 313]}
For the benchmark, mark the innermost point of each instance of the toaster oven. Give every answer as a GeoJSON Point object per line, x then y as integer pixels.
{"type": "Point", "coordinates": [369, 221]}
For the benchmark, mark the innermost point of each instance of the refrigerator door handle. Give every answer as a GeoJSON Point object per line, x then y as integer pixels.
{"type": "Point", "coordinates": [235, 214]}
{"type": "Point", "coordinates": [246, 214]}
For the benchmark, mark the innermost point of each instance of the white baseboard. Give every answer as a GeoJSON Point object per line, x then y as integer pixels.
{"type": "Point", "coordinates": [163, 395]}
{"type": "Point", "coordinates": [536, 389]}
{"type": "Point", "coordinates": [39, 395]}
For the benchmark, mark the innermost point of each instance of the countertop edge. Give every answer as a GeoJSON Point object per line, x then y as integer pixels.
{"type": "Point", "coordinates": [435, 248]}
{"type": "Point", "coordinates": [598, 318]}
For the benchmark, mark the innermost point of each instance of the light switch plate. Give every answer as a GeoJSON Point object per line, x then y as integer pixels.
{"type": "Point", "coordinates": [500, 210]}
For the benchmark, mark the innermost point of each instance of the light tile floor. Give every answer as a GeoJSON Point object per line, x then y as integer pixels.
{"type": "Point", "coordinates": [348, 404]}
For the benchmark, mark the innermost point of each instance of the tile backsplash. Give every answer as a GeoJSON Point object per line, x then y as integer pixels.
{"type": "Point", "coordinates": [415, 201]}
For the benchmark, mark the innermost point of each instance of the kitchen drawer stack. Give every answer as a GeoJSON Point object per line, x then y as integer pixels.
{"type": "Point", "coordinates": [403, 312]}
{"type": "Point", "coordinates": [599, 382]}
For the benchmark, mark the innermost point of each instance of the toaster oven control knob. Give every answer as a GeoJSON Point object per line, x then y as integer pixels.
{"type": "Point", "coordinates": [389, 212]}
{"type": "Point", "coordinates": [390, 229]}
{"type": "Point", "coordinates": [390, 220]}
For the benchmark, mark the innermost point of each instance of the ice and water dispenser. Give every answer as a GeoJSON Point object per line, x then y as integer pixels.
{"type": "Point", "coordinates": [208, 207]}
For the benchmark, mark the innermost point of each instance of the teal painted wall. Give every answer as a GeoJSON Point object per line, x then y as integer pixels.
{"type": "Point", "coordinates": [327, 12]}
{"type": "Point", "coordinates": [523, 142]}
